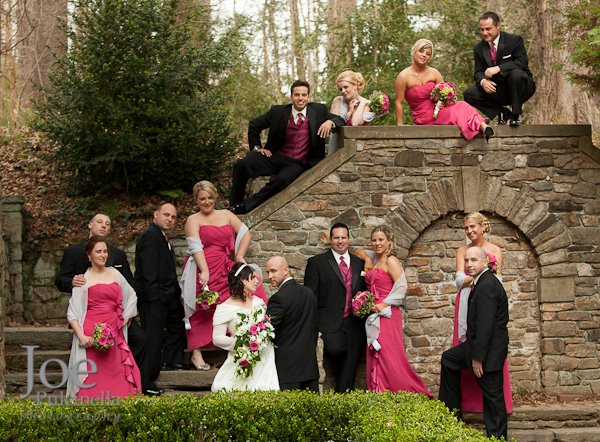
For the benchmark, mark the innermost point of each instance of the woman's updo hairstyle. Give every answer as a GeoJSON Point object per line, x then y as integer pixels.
{"type": "Point", "coordinates": [391, 251]}
{"type": "Point", "coordinates": [479, 219]}
{"type": "Point", "coordinates": [206, 186]}
{"type": "Point", "coordinates": [236, 285]}
{"type": "Point", "coordinates": [421, 43]}
{"type": "Point", "coordinates": [352, 77]}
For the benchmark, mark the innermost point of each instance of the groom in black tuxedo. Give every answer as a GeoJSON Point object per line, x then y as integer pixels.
{"type": "Point", "coordinates": [295, 143]}
{"type": "Point", "coordinates": [485, 348]}
{"type": "Point", "coordinates": [502, 74]}
{"type": "Point", "coordinates": [293, 312]}
{"type": "Point", "coordinates": [335, 277]}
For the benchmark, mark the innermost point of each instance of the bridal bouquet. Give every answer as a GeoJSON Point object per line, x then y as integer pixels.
{"type": "Point", "coordinates": [442, 94]}
{"type": "Point", "coordinates": [253, 333]}
{"type": "Point", "coordinates": [362, 303]}
{"type": "Point", "coordinates": [206, 298]}
{"type": "Point", "coordinates": [379, 103]}
{"type": "Point", "coordinates": [103, 336]}
{"type": "Point", "coordinates": [492, 263]}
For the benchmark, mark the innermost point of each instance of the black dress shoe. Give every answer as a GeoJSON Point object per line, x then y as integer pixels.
{"type": "Point", "coordinates": [515, 120]}
{"type": "Point", "coordinates": [503, 116]}
{"type": "Point", "coordinates": [152, 392]}
{"type": "Point", "coordinates": [238, 209]}
{"type": "Point", "coordinates": [171, 367]}
{"type": "Point", "coordinates": [487, 133]}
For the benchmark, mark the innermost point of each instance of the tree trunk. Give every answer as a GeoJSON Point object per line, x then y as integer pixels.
{"type": "Point", "coordinates": [297, 51]}
{"type": "Point", "coordinates": [338, 12]}
{"type": "Point", "coordinates": [8, 69]}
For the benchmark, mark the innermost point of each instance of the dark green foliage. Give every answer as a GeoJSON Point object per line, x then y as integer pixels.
{"type": "Point", "coordinates": [260, 416]}
{"type": "Point", "coordinates": [135, 104]}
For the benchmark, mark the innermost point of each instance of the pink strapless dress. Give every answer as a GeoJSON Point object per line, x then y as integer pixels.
{"type": "Point", "coordinates": [389, 369]}
{"type": "Point", "coordinates": [460, 114]}
{"type": "Point", "coordinates": [471, 397]}
{"type": "Point", "coordinates": [117, 373]}
{"type": "Point", "coordinates": [219, 245]}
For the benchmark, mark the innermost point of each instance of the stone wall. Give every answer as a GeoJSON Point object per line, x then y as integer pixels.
{"type": "Point", "coordinates": [540, 185]}
{"type": "Point", "coordinates": [4, 294]}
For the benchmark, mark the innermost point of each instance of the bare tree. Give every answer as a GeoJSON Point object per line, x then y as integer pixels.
{"type": "Point", "coordinates": [338, 12]}
{"type": "Point", "coordinates": [296, 54]}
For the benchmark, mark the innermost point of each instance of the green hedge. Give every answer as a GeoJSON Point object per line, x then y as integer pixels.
{"type": "Point", "coordinates": [243, 416]}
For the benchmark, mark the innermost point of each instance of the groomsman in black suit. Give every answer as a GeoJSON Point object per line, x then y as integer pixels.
{"type": "Point", "coordinates": [293, 312]}
{"type": "Point", "coordinates": [70, 274]}
{"type": "Point", "coordinates": [159, 294]}
{"type": "Point", "coordinates": [295, 143]}
{"type": "Point", "coordinates": [485, 348]}
{"type": "Point", "coordinates": [335, 277]}
{"type": "Point", "coordinates": [502, 73]}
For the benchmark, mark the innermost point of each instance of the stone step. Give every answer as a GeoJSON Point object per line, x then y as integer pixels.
{"type": "Point", "coordinates": [586, 434]}
{"type": "Point", "coordinates": [48, 338]}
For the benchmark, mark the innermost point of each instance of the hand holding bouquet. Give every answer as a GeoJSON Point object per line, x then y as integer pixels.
{"type": "Point", "coordinates": [102, 336]}
{"type": "Point", "coordinates": [206, 298]}
{"type": "Point", "coordinates": [362, 303]}
{"type": "Point", "coordinates": [443, 94]}
{"type": "Point", "coordinates": [379, 103]}
{"type": "Point", "coordinates": [253, 332]}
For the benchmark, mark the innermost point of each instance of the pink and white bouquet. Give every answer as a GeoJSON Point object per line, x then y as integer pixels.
{"type": "Point", "coordinates": [443, 94]}
{"type": "Point", "coordinates": [362, 303]}
{"type": "Point", "coordinates": [103, 336]}
{"type": "Point", "coordinates": [253, 332]}
{"type": "Point", "coordinates": [492, 263]}
{"type": "Point", "coordinates": [379, 103]}
{"type": "Point", "coordinates": [207, 298]}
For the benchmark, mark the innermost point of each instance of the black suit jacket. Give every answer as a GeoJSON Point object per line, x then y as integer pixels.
{"type": "Point", "coordinates": [155, 268]}
{"type": "Point", "coordinates": [487, 318]}
{"type": "Point", "coordinates": [510, 54]}
{"type": "Point", "coordinates": [324, 278]}
{"type": "Point", "coordinates": [293, 312]}
{"type": "Point", "coordinates": [74, 262]}
{"type": "Point", "coordinates": [276, 120]}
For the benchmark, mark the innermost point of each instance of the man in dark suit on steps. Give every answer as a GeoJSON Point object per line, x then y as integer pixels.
{"type": "Point", "coordinates": [335, 277]}
{"type": "Point", "coordinates": [70, 274]}
{"type": "Point", "coordinates": [296, 142]}
{"type": "Point", "coordinates": [159, 293]}
{"type": "Point", "coordinates": [293, 312]}
{"type": "Point", "coordinates": [485, 348]}
{"type": "Point", "coordinates": [502, 74]}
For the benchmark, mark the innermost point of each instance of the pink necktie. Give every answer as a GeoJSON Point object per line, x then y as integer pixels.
{"type": "Point", "coordinates": [347, 276]}
{"type": "Point", "coordinates": [167, 239]}
{"type": "Point", "coordinates": [493, 52]}
{"type": "Point", "coordinates": [300, 119]}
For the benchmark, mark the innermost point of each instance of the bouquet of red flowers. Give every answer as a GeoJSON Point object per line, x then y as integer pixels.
{"type": "Point", "coordinates": [379, 103]}
{"type": "Point", "coordinates": [443, 94]}
{"type": "Point", "coordinates": [253, 333]}
{"type": "Point", "coordinates": [206, 298]}
{"type": "Point", "coordinates": [492, 263]}
{"type": "Point", "coordinates": [103, 336]}
{"type": "Point", "coordinates": [362, 303]}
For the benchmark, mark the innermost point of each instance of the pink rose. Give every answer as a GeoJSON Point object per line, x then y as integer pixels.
{"type": "Point", "coordinates": [204, 304]}
{"type": "Point", "coordinates": [102, 341]}
{"type": "Point", "coordinates": [356, 305]}
{"type": "Point", "coordinates": [261, 325]}
{"type": "Point", "coordinates": [253, 329]}
{"type": "Point", "coordinates": [243, 363]}
{"type": "Point", "coordinates": [253, 346]}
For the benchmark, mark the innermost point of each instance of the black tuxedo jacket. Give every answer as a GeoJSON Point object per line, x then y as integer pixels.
{"type": "Point", "coordinates": [293, 312]}
{"type": "Point", "coordinates": [510, 54]}
{"type": "Point", "coordinates": [74, 262]}
{"type": "Point", "coordinates": [155, 268]}
{"type": "Point", "coordinates": [276, 120]}
{"type": "Point", "coordinates": [324, 278]}
{"type": "Point", "coordinates": [487, 318]}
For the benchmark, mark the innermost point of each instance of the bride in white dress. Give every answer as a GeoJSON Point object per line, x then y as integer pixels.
{"type": "Point", "coordinates": [242, 283]}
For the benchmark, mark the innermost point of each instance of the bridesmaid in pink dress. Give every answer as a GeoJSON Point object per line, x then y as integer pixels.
{"type": "Point", "coordinates": [475, 225]}
{"type": "Point", "coordinates": [388, 368]}
{"type": "Point", "coordinates": [416, 82]}
{"type": "Point", "coordinates": [105, 297]}
{"type": "Point", "coordinates": [217, 239]}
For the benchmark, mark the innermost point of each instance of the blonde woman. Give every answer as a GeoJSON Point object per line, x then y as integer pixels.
{"type": "Point", "coordinates": [476, 226]}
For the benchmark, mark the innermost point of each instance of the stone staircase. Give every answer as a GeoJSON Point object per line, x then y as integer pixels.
{"type": "Point", "coordinates": [562, 422]}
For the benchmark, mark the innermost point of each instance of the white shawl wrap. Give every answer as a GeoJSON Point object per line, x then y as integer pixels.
{"type": "Point", "coordinates": [77, 311]}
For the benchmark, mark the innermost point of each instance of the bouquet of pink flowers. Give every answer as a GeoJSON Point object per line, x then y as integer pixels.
{"type": "Point", "coordinates": [362, 303]}
{"type": "Point", "coordinates": [103, 336]}
{"type": "Point", "coordinates": [492, 263]}
{"type": "Point", "coordinates": [253, 333]}
{"type": "Point", "coordinates": [206, 298]}
{"type": "Point", "coordinates": [379, 103]}
{"type": "Point", "coordinates": [442, 94]}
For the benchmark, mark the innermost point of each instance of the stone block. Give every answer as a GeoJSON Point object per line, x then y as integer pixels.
{"type": "Point", "coordinates": [552, 289]}
{"type": "Point", "coordinates": [581, 350]}
{"type": "Point", "coordinates": [567, 378]}
{"type": "Point", "coordinates": [558, 270]}
{"type": "Point", "coordinates": [407, 184]}
{"type": "Point", "coordinates": [536, 214]}
{"type": "Point", "coordinates": [540, 160]}
{"type": "Point", "coordinates": [564, 205]}
{"type": "Point", "coordinates": [588, 434]}
{"type": "Point", "coordinates": [592, 207]}
{"type": "Point", "coordinates": [553, 346]}
{"type": "Point", "coordinates": [559, 329]}
{"type": "Point", "coordinates": [316, 223]}
{"type": "Point", "coordinates": [585, 235]}
{"type": "Point", "coordinates": [497, 161]}
{"type": "Point", "coordinates": [556, 363]}
{"type": "Point", "coordinates": [293, 238]}
{"type": "Point", "coordinates": [588, 302]}
{"type": "Point", "coordinates": [471, 188]}
{"type": "Point", "coordinates": [410, 158]}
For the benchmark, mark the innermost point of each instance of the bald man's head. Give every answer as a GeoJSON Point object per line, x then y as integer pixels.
{"type": "Point", "coordinates": [475, 260]}
{"type": "Point", "coordinates": [277, 270]}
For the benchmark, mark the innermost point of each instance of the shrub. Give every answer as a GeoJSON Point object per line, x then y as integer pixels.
{"type": "Point", "coordinates": [259, 416]}
{"type": "Point", "coordinates": [134, 105]}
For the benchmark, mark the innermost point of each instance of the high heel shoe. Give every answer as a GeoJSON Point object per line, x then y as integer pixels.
{"type": "Point", "coordinates": [202, 367]}
{"type": "Point", "coordinates": [487, 133]}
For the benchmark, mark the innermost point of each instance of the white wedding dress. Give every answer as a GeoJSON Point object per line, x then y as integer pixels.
{"type": "Point", "coordinates": [264, 373]}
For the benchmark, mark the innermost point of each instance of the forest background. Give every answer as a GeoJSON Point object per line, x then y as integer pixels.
{"type": "Point", "coordinates": [250, 58]}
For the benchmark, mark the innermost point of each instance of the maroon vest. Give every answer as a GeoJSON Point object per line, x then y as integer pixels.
{"type": "Point", "coordinates": [297, 140]}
